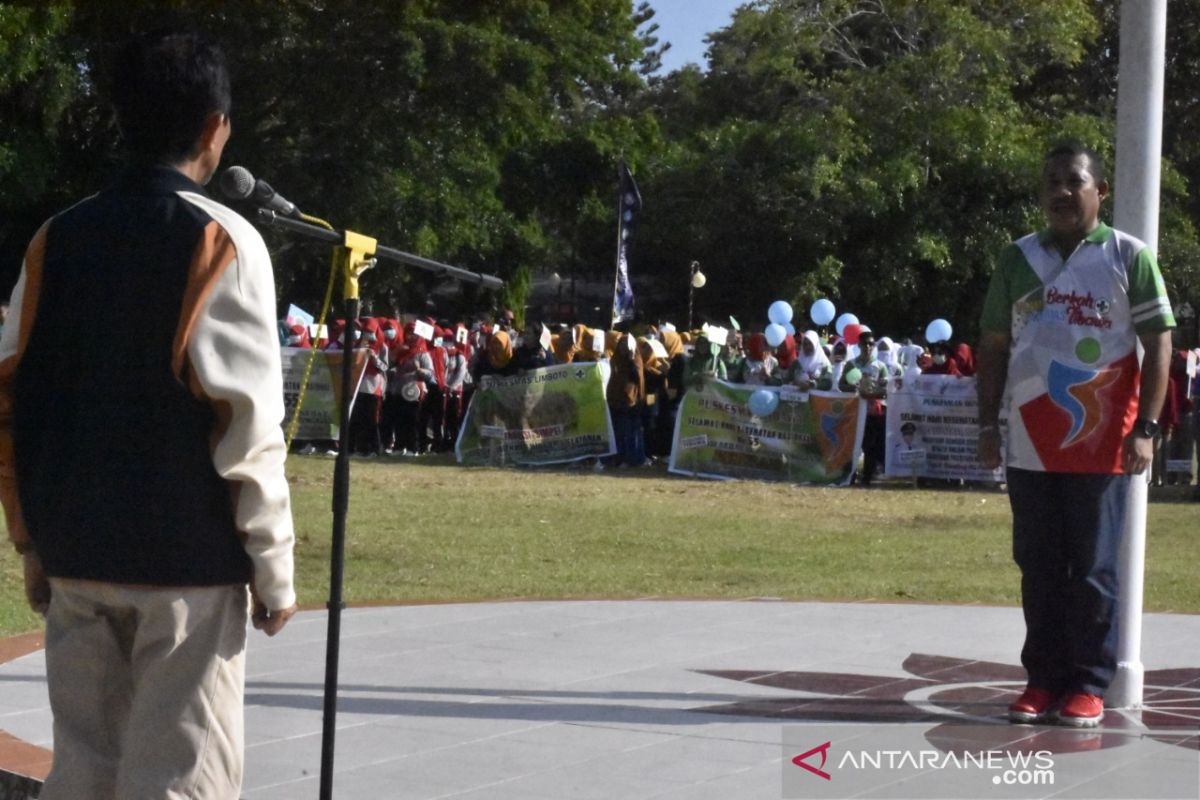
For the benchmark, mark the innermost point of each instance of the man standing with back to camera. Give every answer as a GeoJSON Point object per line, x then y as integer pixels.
{"type": "Point", "coordinates": [142, 472]}
{"type": "Point", "coordinates": [1064, 313]}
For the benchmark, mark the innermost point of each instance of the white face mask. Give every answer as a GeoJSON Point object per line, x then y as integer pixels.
{"type": "Point", "coordinates": [390, 333]}
{"type": "Point", "coordinates": [357, 335]}
{"type": "Point", "coordinates": [939, 359]}
{"type": "Point", "coordinates": [294, 341]}
{"type": "Point", "coordinates": [437, 342]}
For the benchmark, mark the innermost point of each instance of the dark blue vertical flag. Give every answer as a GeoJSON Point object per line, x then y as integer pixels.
{"type": "Point", "coordinates": [629, 203]}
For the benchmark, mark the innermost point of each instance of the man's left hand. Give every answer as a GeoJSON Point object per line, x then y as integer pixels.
{"type": "Point", "coordinates": [1136, 454]}
{"type": "Point", "coordinates": [268, 621]}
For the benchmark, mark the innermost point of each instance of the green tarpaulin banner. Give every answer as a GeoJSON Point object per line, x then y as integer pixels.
{"type": "Point", "coordinates": [320, 414]}
{"type": "Point", "coordinates": [811, 437]}
{"type": "Point", "coordinates": [544, 416]}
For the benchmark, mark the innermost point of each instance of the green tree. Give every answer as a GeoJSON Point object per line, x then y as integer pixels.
{"type": "Point", "coordinates": [429, 125]}
{"type": "Point", "coordinates": [37, 82]}
{"type": "Point", "coordinates": [879, 154]}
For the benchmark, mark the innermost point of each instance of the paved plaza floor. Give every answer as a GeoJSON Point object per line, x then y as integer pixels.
{"type": "Point", "coordinates": [679, 700]}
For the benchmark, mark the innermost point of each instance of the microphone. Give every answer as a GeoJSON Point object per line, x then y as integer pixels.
{"type": "Point", "coordinates": [238, 184]}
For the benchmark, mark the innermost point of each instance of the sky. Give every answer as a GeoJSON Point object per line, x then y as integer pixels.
{"type": "Point", "coordinates": [685, 23]}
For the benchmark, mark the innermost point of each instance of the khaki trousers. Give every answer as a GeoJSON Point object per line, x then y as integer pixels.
{"type": "Point", "coordinates": [146, 687]}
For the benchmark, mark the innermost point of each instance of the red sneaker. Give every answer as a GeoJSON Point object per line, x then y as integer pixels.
{"type": "Point", "coordinates": [1031, 706]}
{"type": "Point", "coordinates": [1081, 710]}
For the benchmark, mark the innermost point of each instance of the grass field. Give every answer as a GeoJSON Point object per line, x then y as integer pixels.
{"type": "Point", "coordinates": [429, 530]}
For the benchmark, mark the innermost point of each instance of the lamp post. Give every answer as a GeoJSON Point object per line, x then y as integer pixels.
{"type": "Point", "coordinates": [697, 281]}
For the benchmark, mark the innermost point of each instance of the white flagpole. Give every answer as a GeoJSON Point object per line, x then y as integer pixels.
{"type": "Point", "coordinates": [1142, 40]}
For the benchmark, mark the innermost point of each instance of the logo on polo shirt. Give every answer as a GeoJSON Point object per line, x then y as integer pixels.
{"type": "Point", "coordinates": [1076, 391]}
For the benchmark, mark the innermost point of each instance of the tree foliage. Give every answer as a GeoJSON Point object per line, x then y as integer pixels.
{"type": "Point", "coordinates": [430, 125]}
{"type": "Point", "coordinates": [877, 152]}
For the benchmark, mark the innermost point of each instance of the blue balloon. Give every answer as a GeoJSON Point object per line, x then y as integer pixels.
{"type": "Point", "coordinates": [938, 331]}
{"type": "Point", "coordinates": [780, 312]}
{"type": "Point", "coordinates": [790, 328]}
{"type": "Point", "coordinates": [775, 334]}
{"type": "Point", "coordinates": [763, 402]}
{"type": "Point", "coordinates": [843, 321]}
{"type": "Point", "coordinates": [822, 312]}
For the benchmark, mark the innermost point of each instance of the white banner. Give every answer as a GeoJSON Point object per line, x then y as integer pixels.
{"type": "Point", "coordinates": [933, 428]}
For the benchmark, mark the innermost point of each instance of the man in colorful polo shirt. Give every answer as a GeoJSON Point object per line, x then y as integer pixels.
{"type": "Point", "coordinates": [1063, 316]}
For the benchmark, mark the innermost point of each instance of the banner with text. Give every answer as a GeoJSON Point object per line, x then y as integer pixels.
{"type": "Point", "coordinates": [810, 437]}
{"type": "Point", "coordinates": [544, 416]}
{"type": "Point", "coordinates": [933, 428]}
{"type": "Point", "coordinates": [320, 415]}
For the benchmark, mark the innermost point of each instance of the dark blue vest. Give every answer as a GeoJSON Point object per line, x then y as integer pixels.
{"type": "Point", "coordinates": [113, 457]}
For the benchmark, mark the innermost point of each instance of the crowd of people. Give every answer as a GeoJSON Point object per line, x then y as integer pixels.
{"type": "Point", "coordinates": [420, 375]}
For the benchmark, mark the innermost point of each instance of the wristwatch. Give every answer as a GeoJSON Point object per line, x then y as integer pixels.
{"type": "Point", "coordinates": [1145, 428]}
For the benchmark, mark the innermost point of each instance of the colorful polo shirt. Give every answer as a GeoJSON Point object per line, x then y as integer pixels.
{"type": "Point", "coordinates": [1073, 375]}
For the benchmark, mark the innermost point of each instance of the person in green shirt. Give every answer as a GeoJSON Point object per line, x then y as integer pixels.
{"type": "Point", "coordinates": [1065, 311]}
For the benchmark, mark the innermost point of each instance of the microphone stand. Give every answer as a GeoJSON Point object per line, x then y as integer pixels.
{"type": "Point", "coordinates": [359, 254]}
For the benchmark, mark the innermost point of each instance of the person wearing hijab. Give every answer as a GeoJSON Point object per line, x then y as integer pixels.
{"type": "Point", "coordinates": [964, 357]}
{"type": "Point", "coordinates": [334, 340]}
{"type": "Point", "coordinates": [390, 330]}
{"type": "Point", "coordinates": [565, 346]}
{"type": "Point", "coordinates": [297, 336]}
{"type": "Point", "coordinates": [583, 341]}
{"type": "Point", "coordinates": [457, 377]}
{"type": "Point", "coordinates": [941, 361]}
{"type": "Point", "coordinates": [677, 368]}
{"type": "Point", "coordinates": [655, 369]}
{"type": "Point", "coordinates": [786, 353]}
{"type": "Point", "coordinates": [909, 355]}
{"type": "Point", "coordinates": [810, 364]}
{"type": "Point", "coordinates": [610, 342]}
{"type": "Point", "coordinates": [674, 385]}
{"type": "Point", "coordinates": [626, 395]}
{"type": "Point", "coordinates": [706, 362]}
{"type": "Point", "coordinates": [841, 375]}
{"type": "Point", "coordinates": [498, 356]}
{"type": "Point", "coordinates": [1178, 409]}
{"type": "Point", "coordinates": [886, 352]}
{"type": "Point", "coordinates": [432, 421]}
{"type": "Point", "coordinates": [365, 417]}
{"type": "Point", "coordinates": [407, 390]}
{"type": "Point", "coordinates": [759, 367]}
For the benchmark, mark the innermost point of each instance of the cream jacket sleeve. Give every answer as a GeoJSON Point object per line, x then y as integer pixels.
{"type": "Point", "coordinates": [231, 348]}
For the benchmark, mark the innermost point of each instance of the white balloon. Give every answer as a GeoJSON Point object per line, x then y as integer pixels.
{"type": "Point", "coordinates": [822, 312]}
{"type": "Point", "coordinates": [938, 331]}
{"type": "Point", "coordinates": [780, 312]}
{"type": "Point", "coordinates": [775, 334]}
